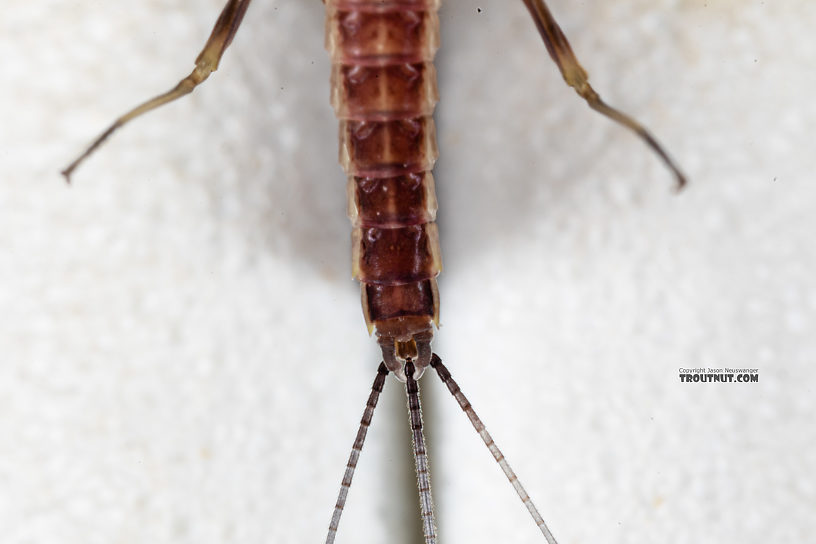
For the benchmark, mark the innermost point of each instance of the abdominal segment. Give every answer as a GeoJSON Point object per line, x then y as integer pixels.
{"type": "Point", "coordinates": [384, 92]}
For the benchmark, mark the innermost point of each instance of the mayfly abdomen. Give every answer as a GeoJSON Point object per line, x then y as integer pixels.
{"type": "Point", "coordinates": [384, 93]}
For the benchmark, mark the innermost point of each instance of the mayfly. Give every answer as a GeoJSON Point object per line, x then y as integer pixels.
{"type": "Point", "coordinates": [383, 90]}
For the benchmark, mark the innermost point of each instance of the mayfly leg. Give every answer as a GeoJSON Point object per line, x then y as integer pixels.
{"type": "Point", "coordinates": [465, 405]}
{"type": "Point", "coordinates": [577, 78]}
{"type": "Point", "coordinates": [206, 63]}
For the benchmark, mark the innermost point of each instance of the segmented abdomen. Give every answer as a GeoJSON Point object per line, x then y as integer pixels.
{"type": "Point", "coordinates": [384, 93]}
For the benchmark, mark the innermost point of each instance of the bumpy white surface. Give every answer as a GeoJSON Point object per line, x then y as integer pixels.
{"type": "Point", "coordinates": [182, 355]}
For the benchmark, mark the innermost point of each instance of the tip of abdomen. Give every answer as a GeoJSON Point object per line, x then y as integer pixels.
{"type": "Point", "coordinates": [398, 350]}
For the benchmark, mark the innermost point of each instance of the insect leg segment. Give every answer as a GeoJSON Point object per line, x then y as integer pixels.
{"type": "Point", "coordinates": [465, 405]}
{"type": "Point", "coordinates": [577, 78]}
{"type": "Point", "coordinates": [206, 63]}
{"type": "Point", "coordinates": [356, 450]}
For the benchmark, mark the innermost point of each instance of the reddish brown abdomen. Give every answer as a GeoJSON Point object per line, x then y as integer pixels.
{"type": "Point", "coordinates": [384, 93]}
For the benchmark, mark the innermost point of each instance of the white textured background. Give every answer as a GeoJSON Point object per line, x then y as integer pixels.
{"type": "Point", "coordinates": [182, 353]}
